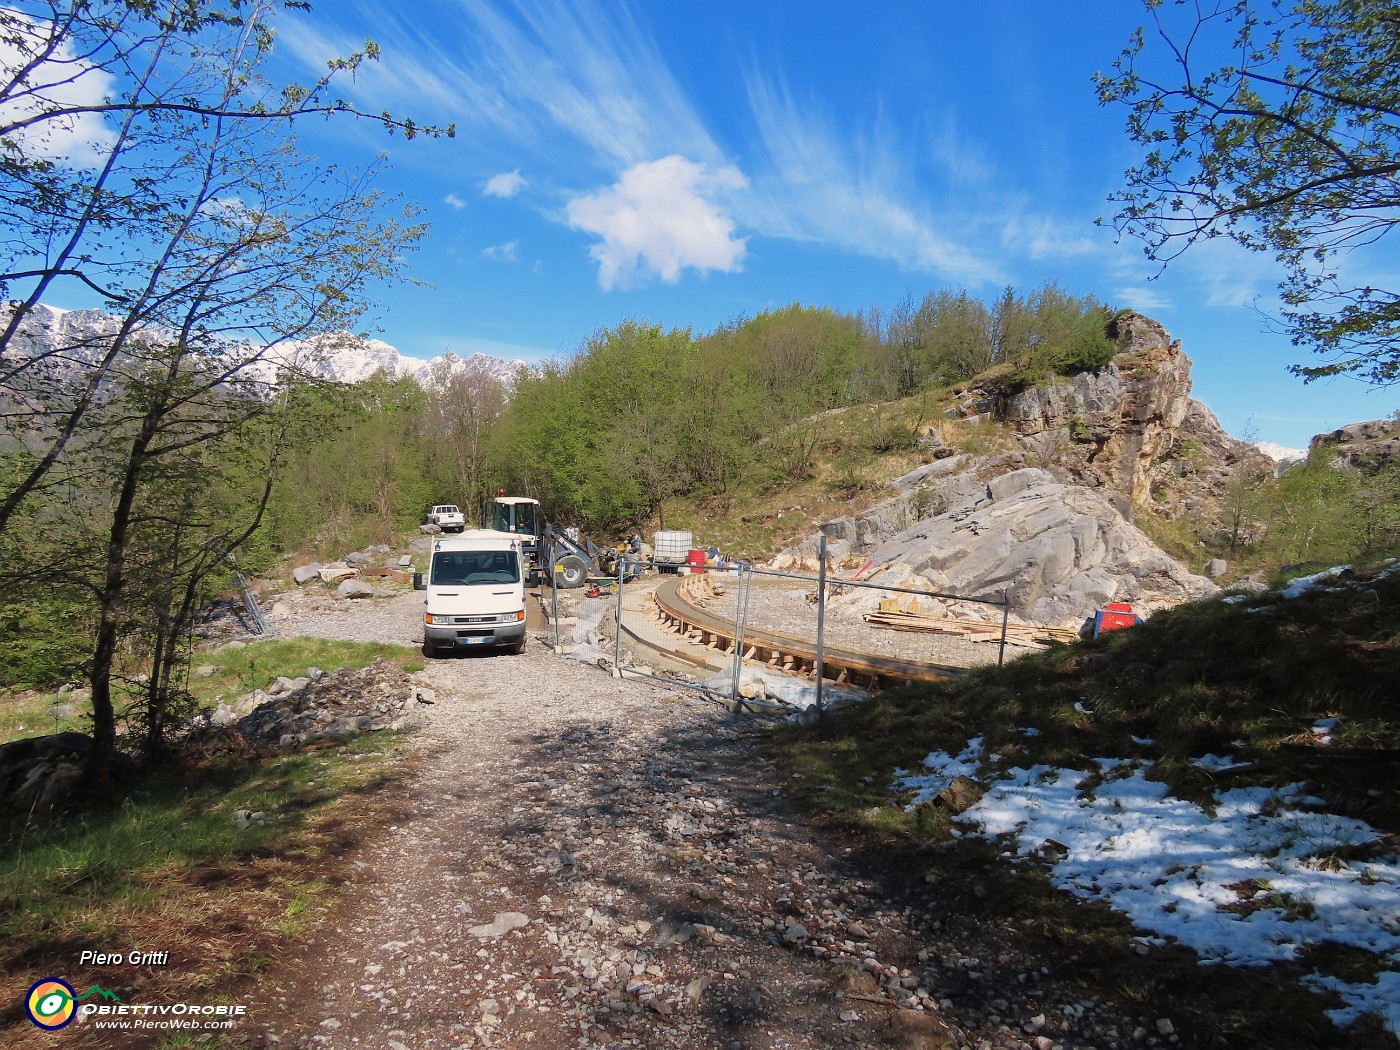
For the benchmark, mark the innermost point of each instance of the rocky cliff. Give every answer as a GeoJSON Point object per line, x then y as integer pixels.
{"type": "Point", "coordinates": [1363, 446]}
{"type": "Point", "coordinates": [1123, 420]}
{"type": "Point", "coordinates": [1047, 519]}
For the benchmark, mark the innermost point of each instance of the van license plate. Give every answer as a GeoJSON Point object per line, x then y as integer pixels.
{"type": "Point", "coordinates": [470, 640]}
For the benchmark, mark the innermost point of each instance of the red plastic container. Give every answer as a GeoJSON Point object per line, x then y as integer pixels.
{"type": "Point", "coordinates": [695, 561]}
{"type": "Point", "coordinates": [1114, 617]}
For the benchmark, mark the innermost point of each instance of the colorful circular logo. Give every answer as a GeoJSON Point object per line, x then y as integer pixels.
{"type": "Point", "coordinates": [50, 1003]}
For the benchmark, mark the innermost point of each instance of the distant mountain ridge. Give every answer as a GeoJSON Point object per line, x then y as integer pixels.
{"type": "Point", "coordinates": [72, 341]}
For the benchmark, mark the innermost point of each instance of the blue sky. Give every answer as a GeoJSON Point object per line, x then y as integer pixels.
{"type": "Point", "coordinates": [693, 163]}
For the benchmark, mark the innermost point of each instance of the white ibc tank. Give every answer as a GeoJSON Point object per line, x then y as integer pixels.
{"type": "Point", "coordinates": [672, 545]}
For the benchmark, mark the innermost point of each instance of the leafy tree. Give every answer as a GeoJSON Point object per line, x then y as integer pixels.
{"type": "Point", "coordinates": [110, 114]}
{"type": "Point", "coordinates": [801, 355]}
{"type": "Point", "coordinates": [229, 246]}
{"type": "Point", "coordinates": [956, 340]}
{"type": "Point", "coordinates": [1276, 125]}
{"type": "Point", "coordinates": [595, 435]}
{"type": "Point", "coordinates": [464, 415]}
{"type": "Point", "coordinates": [357, 469]}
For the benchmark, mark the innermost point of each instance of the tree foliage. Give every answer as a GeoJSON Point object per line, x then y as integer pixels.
{"type": "Point", "coordinates": [1276, 125]}
{"type": "Point", "coordinates": [641, 415]}
{"type": "Point", "coordinates": [217, 244]}
{"type": "Point", "coordinates": [138, 142]}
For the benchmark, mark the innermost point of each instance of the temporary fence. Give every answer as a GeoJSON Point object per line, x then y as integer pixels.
{"type": "Point", "coordinates": [766, 638]}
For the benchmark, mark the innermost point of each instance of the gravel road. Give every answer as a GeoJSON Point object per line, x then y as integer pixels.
{"type": "Point", "coordinates": [585, 862]}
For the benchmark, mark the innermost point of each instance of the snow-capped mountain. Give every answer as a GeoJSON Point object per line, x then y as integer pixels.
{"type": "Point", "coordinates": [352, 359]}
{"type": "Point", "coordinates": [70, 342]}
{"type": "Point", "coordinates": [1280, 453]}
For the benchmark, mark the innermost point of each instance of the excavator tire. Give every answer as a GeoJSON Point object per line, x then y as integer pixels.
{"type": "Point", "coordinates": [570, 571]}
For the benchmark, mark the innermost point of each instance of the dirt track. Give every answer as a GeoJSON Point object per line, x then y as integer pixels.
{"type": "Point", "coordinates": [586, 862]}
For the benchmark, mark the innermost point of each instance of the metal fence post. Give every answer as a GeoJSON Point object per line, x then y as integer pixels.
{"type": "Point", "coordinates": [554, 610]}
{"type": "Point", "coordinates": [741, 619]}
{"type": "Point", "coordinates": [821, 612]}
{"type": "Point", "coordinates": [617, 642]}
{"type": "Point", "coordinates": [1005, 616]}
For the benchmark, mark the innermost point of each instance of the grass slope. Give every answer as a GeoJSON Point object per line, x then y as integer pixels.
{"type": "Point", "coordinates": [1247, 678]}
{"type": "Point", "coordinates": [168, 870]}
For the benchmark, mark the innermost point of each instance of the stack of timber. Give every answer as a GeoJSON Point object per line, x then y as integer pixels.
{"type": "Point", "coordinates": [974, 630]}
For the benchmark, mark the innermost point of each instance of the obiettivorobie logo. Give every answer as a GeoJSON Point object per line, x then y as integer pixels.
{"type": "Point", "coordinates": [51, 1003]}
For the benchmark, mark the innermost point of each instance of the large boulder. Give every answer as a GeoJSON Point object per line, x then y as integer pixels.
{"type": "Point", "coordinates": [40, 774]}
{"type": "Point", "coordinates": [1057, 552]}
{"type": "Point", "coordinates": [337, 571]}
{"type": "Point", "coordinates": [355, 589]}
{"type": "Point", "coordinates": [1046, 517]}
{"type": "Point", "coordinates": [306, 573]}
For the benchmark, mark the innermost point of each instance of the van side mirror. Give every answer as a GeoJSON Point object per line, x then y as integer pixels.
{"type": "Point", "coordinates": [418, 584]}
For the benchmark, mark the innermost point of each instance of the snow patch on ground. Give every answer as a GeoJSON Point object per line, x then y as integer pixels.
{"type": "Point", "coordinates": [1248, 885]}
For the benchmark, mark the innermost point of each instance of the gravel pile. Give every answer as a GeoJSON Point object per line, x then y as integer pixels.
{"type": "Point", "coordinates": [587, 862]}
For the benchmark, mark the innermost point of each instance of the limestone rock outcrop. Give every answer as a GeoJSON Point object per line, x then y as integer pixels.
{"type": "Point", "coordinates": [1122, 420]}
{"type": "Point", "coordinates": [1364, 446]}
{"type": "Point", "coordinates": [1046, 518]}
{"type": "Point", "coordinates": [1057, 552]}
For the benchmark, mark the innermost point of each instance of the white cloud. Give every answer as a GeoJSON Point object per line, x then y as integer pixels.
{"type": "Point", "coordinates": [1141, 299]}
{"type": "Point", "coordinates": [508, 252]}
{"type": "Point", "coordinates": [455, 201]}
{"type": "Point", "coordinates": [507, 184]}
{"type": "Point", "coordinates": [56, 85]}
{"type": "Point", "coordinates": [660, 218]}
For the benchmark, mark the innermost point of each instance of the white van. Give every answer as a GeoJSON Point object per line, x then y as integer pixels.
{"type": "Point", "coordinates": [475, 593]}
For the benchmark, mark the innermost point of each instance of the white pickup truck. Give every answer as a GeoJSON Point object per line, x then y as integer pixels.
{"type": "Point", "coordinates": [447, 517]}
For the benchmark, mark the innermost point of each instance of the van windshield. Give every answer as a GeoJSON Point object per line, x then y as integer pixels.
{"type": "Point", "coordinates": [472, 567]}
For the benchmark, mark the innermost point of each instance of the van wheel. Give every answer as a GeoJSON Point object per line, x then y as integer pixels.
{"type": "Point", "coordinates": [518, 648]}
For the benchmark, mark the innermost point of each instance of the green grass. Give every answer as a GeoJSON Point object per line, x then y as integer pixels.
{"type": "Point", "coordinates": [27, 713]}
{"type": "Point", "coordinates": [169, 866]}
{"type": "Point", "coordinates": [1246, 679]}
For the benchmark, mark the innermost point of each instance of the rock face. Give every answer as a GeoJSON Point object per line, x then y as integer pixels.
{"type": "Point", "coordinates": [43, 773]}
{"type": "Point", "coordinates": [1058, 552]}
{"type": "Point", "coordinates": [1122, 420]}
{"type": "Point", "coordinates": [1364, 446]}
{"type": "Point", "coordinates": [1047, 519]}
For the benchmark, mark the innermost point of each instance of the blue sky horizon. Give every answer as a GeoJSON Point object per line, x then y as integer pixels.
{"type": "Point", "coordinates": [691, 165]}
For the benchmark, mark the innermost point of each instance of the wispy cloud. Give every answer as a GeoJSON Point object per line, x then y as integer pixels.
{"type": "Point", "coordinates": [508, 252]}
{"type": "Point", "coordinates": [659, 219]}
{"type": "Point", "coordinates": [530, 71]}
{"type": "Point", "coordinates": [507, 184]}
{"type": "Point", "coordinates": [1140, 298]}
{"type": "Point", "coordinates": [819, 183]}
{"type": "Point", "coordinates": [455, 201]}
{"type": "Point", "coordinates": [536, 69]}
{"type": "Point", "coordinates": [1046, 237]}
